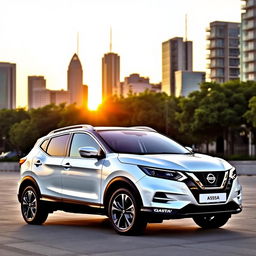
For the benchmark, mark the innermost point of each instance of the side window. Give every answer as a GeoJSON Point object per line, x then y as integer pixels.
{"type": "Point", "coordinates": [57, 145]}
{"type": "Point", "coordinates": [81, 140]}
{"type": "Point", "coordinates": [44, 145]}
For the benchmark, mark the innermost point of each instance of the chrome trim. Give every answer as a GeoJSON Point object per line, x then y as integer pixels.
{"type": "Point", "coordinates": [144, 128]}
{"type": "Point", "coordinates": [231, 173]}
{"type": "Point", "coordinates": [163, 198]}
{"type": "Point", "coordinates": [199, 183]}
{"type": "Point", "coordinates": [70, 201]}
{"type": "Point", "coordinates": [78, 126]}
{"type": "Point", "coordinates": [225, 179]}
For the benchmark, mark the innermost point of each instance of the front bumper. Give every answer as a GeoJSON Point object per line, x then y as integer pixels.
{"type": "Point", "coordinates": [191, 211]}
{"type": "Point", "coordinates": [169, 199]}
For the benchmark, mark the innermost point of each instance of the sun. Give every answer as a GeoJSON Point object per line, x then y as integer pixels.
{"type": "Point", "coordinates": [93, 105]}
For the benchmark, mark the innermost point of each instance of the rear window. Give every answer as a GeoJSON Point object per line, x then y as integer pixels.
{"type": "Point", "coordinates": [57, 145]}
{"type": "Point", "coordinates": [44, 145]}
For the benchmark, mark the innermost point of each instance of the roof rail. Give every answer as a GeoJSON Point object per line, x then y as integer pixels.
{"type": "Point", "coordinates": [145, 128]}
{"type": "Point", "coordinates": [85, 126]}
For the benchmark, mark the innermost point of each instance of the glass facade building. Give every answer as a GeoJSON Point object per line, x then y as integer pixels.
{"type": "Point", "coordinates": [7, 85]}
{"type": "Point", "coordinates": [176, 55]}
{"type": "Point", "coordinates": [111, 75]}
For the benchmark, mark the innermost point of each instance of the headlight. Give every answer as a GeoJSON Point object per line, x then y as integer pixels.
{"type": "Point", "coordinates": [232, 173]}
{"type": "Point", "coordinates": [163, 173]}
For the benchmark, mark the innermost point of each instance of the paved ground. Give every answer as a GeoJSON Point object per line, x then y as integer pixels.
{"type": "Point", "coordinates": [71, 234]}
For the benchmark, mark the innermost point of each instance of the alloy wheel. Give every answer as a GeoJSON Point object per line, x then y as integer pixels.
{"type": "Point", "coordinates": [29, 205]}
{"type": "Point", "coordinates": [123, 211]}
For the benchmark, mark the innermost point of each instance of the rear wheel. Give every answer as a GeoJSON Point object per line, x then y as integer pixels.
{"type": "Point", "coordinates": [32, 209]}
{"type": "Point", "coordinates": [124, 213]}
{"type": "Point", "coordinates": [212, 221]}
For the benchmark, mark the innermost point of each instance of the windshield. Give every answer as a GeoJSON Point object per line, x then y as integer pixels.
{"type": "Point", "coordinates": [140, 142]}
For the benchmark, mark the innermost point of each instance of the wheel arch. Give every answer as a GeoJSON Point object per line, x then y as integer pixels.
{"type": "Point", "coordinates": [28, 181]}
{"type": "Point", "coordinates": [120, 182]}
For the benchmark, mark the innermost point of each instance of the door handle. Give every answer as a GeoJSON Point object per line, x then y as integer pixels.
{"type": "Point", "coordinates": [38, 163]}
{"type": "Point", "coordinates": [66, 165]}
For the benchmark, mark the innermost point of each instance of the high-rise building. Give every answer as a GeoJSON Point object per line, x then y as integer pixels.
{"type": "Point", "coordinates": [7, 85]}
{"type": "Point", "coordinates": [248, 41]}
{"type": "Point", "coordinates": [85, 94]}
{"type": "Point", "coordinates": [177, 54]}
{"type": "Point", "coordinates": [110, 75]}
{"type": "Point", "coordinates": [224, 51]}
{"type": "Point", "coordinates": [59, 96]}
{"type": "Point", "coordinates": [75, 82]}
{"type": "Point", "coordinates": [187, 82]}
{"type": "Point", "coordinates": [135, 84]}
{"type": "Point", "coordinates": [38, 95]}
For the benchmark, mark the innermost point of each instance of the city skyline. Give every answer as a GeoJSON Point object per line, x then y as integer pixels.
{"type": "Point", "coordinates": [136, 40]}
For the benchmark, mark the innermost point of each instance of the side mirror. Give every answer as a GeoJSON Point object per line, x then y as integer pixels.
{"type": "Point", "coordinates": [189, 149]}
{"type": "Point", "coordinates": [89, 152]}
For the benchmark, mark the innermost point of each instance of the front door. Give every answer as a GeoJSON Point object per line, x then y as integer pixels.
{"type": "Point", "coordinates": [81, 177]}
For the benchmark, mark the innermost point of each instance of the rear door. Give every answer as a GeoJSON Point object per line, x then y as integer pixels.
{"type": "Point", "coordinates": [81, 177]}
{"type": "Point", "coordinates": [47, 164]}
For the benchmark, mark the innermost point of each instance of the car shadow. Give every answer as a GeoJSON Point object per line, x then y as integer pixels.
{"type": "Point", "coordinates": [102, 225]}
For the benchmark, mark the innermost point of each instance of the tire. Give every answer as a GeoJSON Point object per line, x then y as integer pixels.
{"type": "Point", "coordinates": [124, 213]}
{"type": "Point", "coordinates": [33, 210]}
{"type": "Point", "coordinates": [213, 221]}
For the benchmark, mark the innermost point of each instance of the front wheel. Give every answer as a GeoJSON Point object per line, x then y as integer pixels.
{"type": "Point", "coordinates": [214, 221]}
{"type": "Point", "coordinates": [32, 209]}
{"type": "Point", "coordinates": [124, 213]}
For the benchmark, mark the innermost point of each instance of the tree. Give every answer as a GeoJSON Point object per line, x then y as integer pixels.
{"type": "Point", "coordinates": [156, 110]}
{"type": "Point", "coordinates": [250, 114]}
{"type": "Point", "coordinates": [23, 135]}
{"type": "Point", "coordinates": [8, 117]}
{"type": "Point", "coordinates": [216, 110]}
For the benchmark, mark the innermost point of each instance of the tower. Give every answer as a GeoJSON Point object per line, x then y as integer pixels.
{"type": "Point", "coordinates": [110, 73]}
{"type": "Point", "coordinates": [75, 81]}
{"type": "Point", "coordinates": [176, 55]}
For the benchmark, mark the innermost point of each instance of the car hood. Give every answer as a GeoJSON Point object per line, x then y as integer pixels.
{"type": "Point", "coordinates": [182, 162]}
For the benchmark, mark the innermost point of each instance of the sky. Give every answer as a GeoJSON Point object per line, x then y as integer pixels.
{"type": "Point", "coordinates": [40, 36]}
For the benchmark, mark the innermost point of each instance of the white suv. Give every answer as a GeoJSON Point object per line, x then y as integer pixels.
{"type": "Point", "coordinates": [133, 175]}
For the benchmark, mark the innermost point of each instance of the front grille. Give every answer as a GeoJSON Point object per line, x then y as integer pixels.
{"type": "Point", "coordinates": [207, 178]}
{"type": "Point", "coordinates": [196, 190]}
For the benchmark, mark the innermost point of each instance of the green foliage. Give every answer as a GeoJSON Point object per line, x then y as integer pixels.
{"type": "Point", "coordinates": [215, 110]}
{"type": "Point", "coordinates": [250, 114]}
{"type": "Point", "coordinates": [8, 117]}
{"type": "Point", "coordinates": [156, 110]}
{"type": "Point", "coordinates": [23, 135]}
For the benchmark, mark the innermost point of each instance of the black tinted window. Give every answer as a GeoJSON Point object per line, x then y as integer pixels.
{"type": "Point", "coordinates": [57, 145]}
{"type": "Point", "coordinates": [140, 142]}
{"type": "Point", "coordinates": [81, 140]}
{"type": "Point", "coordinates": [44, 145]}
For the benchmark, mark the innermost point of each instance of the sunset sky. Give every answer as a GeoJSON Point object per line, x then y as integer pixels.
{"type": "Point", "coordinates": [40, 36]}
